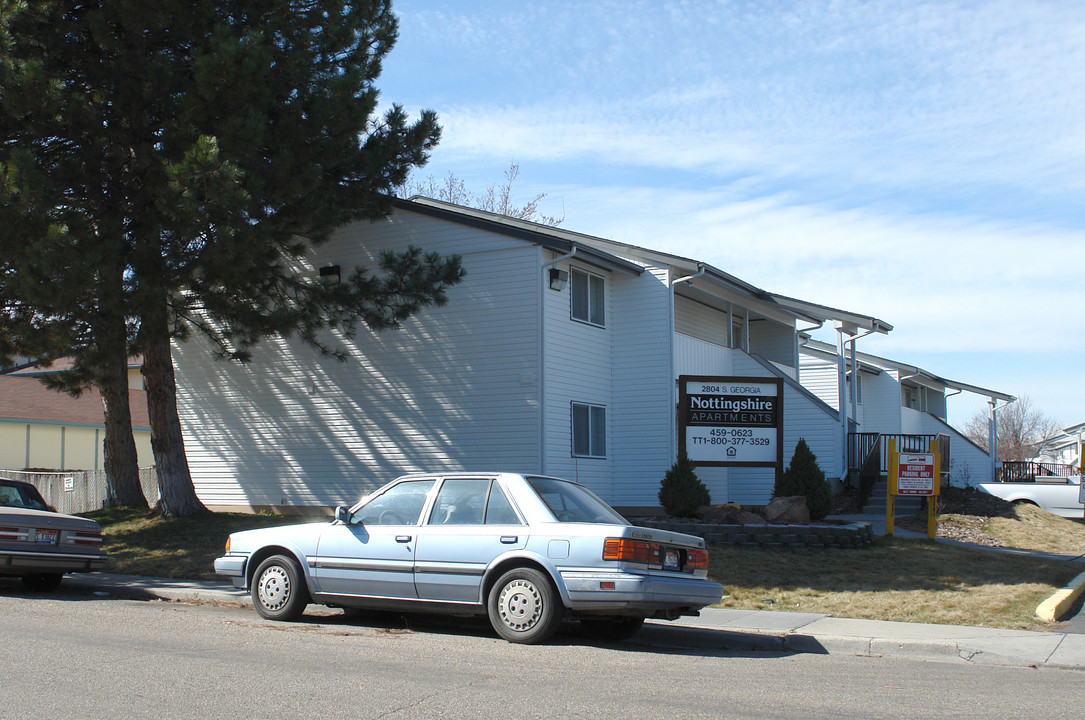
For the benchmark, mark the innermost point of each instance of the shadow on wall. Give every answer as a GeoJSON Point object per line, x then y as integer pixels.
{"type": "Point", "coordinates": [292, 428]}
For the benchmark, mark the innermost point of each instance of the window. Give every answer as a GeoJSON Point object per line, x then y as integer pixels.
{"type": "Point", "coordinates": [587, 296]}
{"type": "Point", "coordinates": [461, 501]}
{"type": "Point", "coordinates": [499, 510]}
{"type": "Point", "coordinates": [589, 430]}
{"type": "Point", "coordinates": [398, 505]}
{"type": "Point", "coordinates": [572, 503]}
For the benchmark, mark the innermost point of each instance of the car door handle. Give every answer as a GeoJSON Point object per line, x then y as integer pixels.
{"type": "Point", "coordinates": [509, 539]}
{"type": "Point", "coordinates": [403, 538]}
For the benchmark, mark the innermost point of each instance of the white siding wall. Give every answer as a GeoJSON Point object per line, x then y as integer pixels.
{"type": "Point", "coordinates": [700, 321]}
{"type": "Point", "coordinates": [881, 404]}
{"type": "Point", "coordinates": [578, 367]}
{"type": "Point", "coordinates": [820, 376]}
{"type": "Point", "coordinates": [969, 464]}
{"type": "Point", "coordinates": [698, 357]}
{"type": "Point", "coordinates": [455, 388]}
{"type": "Point", "coordinates": [773, 341]}
{"type": "Point", "coordinates": [805, 418]}
{"type": "Point", "coordinates": [643, 417]}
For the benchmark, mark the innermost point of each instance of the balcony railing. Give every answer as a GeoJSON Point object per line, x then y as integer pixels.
{"type": "Point", "coordinates": [1028, 470]}
{"type": "Point", "coordinates": [868, 455]}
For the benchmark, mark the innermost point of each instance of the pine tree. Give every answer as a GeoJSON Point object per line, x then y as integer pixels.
{"type": "Point", "coordinates": [681, 492]}
{"type": "Point", "coordinates": [803, 477]}
{"type": "Point", "coordinates": [169, 166]}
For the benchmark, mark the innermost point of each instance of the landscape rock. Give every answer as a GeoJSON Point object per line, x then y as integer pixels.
{"type": "Point", "coordinates": [726, 515]}
{"type": "Point", "coordinates": [788, 510]}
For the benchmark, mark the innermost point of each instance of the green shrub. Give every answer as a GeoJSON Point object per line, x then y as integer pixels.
{"type": "Point", "coordinates": [681, 491]}
{"type": "Point", "coordinates": [803, 477]}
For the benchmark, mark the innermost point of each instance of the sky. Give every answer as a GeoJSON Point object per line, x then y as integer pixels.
{"type": "Point", "coordinates": [922, 163]}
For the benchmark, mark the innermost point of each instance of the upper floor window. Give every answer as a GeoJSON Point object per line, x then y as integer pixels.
{"type": "Point", "coordinates": [587, 295]}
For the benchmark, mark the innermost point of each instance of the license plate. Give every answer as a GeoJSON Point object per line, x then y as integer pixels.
{"type": "Point", "coordinates": [672, 560]}
{"type": "Point", "coordinates": [45, 536]}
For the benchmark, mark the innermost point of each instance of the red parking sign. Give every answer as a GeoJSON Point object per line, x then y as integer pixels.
{"type": "Point", "coordinates": [915, 474]}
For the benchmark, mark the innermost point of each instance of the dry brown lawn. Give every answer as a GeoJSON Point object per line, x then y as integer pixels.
{"type": "Point", "coordinates": [912, 580]}
{"type": "Point", "coordinates": [1030, 528]}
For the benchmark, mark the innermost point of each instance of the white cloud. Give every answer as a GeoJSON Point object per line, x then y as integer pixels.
{"type": "Point", "coordinates": [920, 162]}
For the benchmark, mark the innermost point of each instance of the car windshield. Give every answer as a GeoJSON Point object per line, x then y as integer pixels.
{"type": "Point", "coordinates": [570, 502]}
{"type": "Point", "coordinates": [21, 496]}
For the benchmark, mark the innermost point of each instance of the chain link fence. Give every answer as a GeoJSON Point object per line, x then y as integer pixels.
{"type": "Point", "coordinates": [80, 491]}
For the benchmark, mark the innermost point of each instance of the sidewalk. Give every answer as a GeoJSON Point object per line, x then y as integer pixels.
{"type": "Point", "coordinates": [731, 630]}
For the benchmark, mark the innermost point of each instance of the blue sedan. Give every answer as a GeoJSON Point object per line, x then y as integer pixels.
{"type": "Point", "coordinates": [527, 551]}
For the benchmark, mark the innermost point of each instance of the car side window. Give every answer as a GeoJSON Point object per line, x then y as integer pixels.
{"type": "Point", "coordinates": [499, 510]}
{"type": "Point", "coordinates": [460, 501]}
{"type": "Point", "coordinates": [398, 505]}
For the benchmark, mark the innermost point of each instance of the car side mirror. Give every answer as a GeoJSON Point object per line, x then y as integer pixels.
{"type": "Point", "coordinates": [342, 514]}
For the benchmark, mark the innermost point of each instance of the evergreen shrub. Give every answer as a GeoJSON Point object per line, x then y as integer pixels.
{"type": "Point", "coordinates": [681, 491]}
{"type": "Point", "coordinates": [803, 477]}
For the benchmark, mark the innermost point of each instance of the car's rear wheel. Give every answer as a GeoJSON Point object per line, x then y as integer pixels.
{"type": "Point", "coordinates": [278, 589]}
{"type": "Point", "coordinates": [42, 582]}
{"type": "Point", "coordinates": [612, 629]}
{"type": "Point", "coordinates": [524, 607]}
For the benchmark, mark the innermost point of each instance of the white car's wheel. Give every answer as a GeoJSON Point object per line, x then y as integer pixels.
{"type": "Point", "coordinates": [524, 607]}
{"type": "Point", "coordinates": [278, 589]}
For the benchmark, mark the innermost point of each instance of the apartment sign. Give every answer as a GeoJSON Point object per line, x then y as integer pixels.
{"type": "Point", "coordinates": [731, 421]}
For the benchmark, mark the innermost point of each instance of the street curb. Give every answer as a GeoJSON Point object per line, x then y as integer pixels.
{"type": "Point", "coordinates": [1056, 606]}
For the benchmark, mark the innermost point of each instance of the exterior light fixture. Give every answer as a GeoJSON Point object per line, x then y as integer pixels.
{"type": "Point", "coordinates": [329, 274]}
{"type": "Point", "coordinates": [558, 279]}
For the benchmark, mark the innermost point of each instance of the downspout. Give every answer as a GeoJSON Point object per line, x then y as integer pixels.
{"type": "Point", "coordinates": [842, 393]}
{"type": "Point", "coordinates": [674, 365]}
{"type": "Point", "coordinates": [799, 332]}
{"type": "Point", "coordinates": [541, 410]}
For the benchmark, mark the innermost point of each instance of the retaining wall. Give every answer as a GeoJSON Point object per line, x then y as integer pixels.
{"type": "Point", "coordinates": [856, 534]}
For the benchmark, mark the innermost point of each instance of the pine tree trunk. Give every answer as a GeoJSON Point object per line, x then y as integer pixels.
{"type": "Point", "coordinates": [121, 461]}
{"type": "Point", "coordinates": [177, 493]}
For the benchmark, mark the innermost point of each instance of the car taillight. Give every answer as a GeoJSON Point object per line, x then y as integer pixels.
{"type": "Point", "coordinates": [85, 538]}
{"type": "Point", "coordinates": [666, 556]}
{"type": "Point", "coordinates": [11, 533]}
{"type": "Point", "coordinates": [696, 559]}
{"type": "Point", "coordinates": [626, 550]}
{"type": "Point", "coordinates": [228, 545]}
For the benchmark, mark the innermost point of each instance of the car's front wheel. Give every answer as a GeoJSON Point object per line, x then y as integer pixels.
{"type": "Point", "coordinates": [278, 589]}
{"type": "Point", "coordinates": [42, 582]}
{"type": "Point", "coordinates": [524, 607]}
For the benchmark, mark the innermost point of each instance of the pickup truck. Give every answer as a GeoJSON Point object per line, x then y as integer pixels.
{"type": "Point", "coordinates": [1058, 495]}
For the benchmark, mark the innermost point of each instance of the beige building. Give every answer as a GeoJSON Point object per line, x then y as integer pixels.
{"type": "Point", "coordinates": [48, 430]}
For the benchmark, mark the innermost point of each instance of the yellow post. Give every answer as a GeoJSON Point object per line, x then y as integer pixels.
{"type": "Point", "coordinates": [891, 486]}
{"type": "Point", "coordinates": [932, 524]}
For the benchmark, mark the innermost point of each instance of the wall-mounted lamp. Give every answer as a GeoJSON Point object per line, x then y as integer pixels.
{"type": "Point", "coordinates": [329, 274]}
{"type": "Point", "coordinates": [558, 279]}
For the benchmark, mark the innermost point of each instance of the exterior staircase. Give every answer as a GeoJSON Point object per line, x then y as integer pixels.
{"type": "Point", "coordinates": [902, 507]}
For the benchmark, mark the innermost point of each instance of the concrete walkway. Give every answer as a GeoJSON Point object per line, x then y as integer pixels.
{"type": "Point", "coordinates": [732, 630]}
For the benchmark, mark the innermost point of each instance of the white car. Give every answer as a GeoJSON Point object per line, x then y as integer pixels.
{"type": "Point", "coordinates": [1057, 495]}
{"type": "Point", "coordinates": [528, 551]}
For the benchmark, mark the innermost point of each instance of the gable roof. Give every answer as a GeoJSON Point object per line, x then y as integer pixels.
{"type": "Point", "coordinates": [866, 360]}
{"type": "Point", "coordinates": [562, 241]}
{"type": "Point", "coordinates": [26, 400]}
{"type": "Point", "coordinates": [608, 253]}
